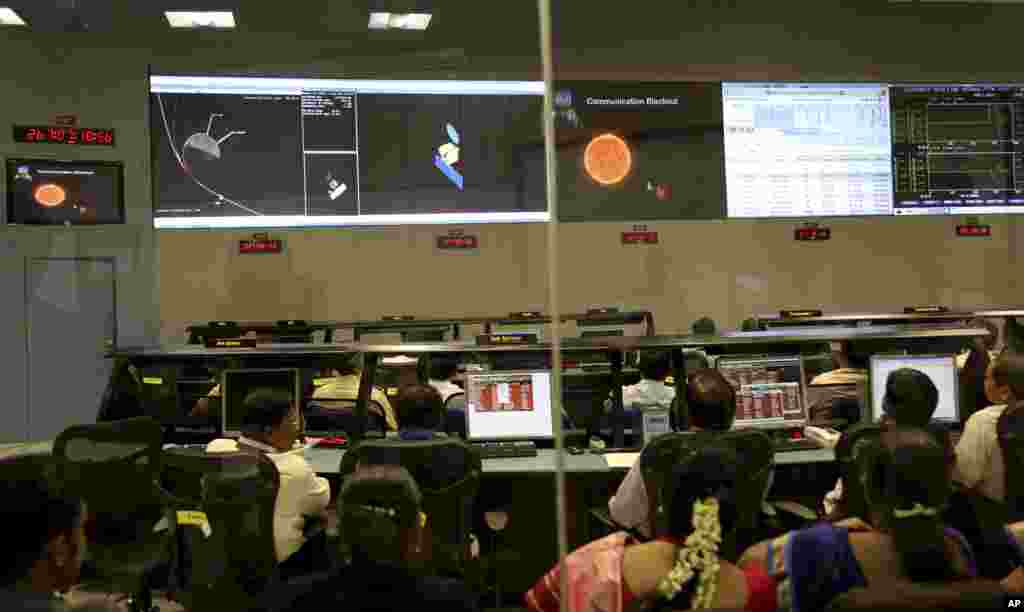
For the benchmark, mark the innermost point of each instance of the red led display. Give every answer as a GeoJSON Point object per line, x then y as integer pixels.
{"type": "Point", "coordinates": [64, 135]}
{"type": "Point", "coordinates": [639, 237]}
{"type": "Point", "coordinates": [974, 231]}
{"type": "Point", "coordinates": [812, 233]}
{"type": "Point", "coordinates": [457, 242]}
{"type": "Point", "coordinates": [260, 246]}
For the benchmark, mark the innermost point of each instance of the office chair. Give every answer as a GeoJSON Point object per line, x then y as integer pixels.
{"type": "Point", "coordinates": [656, 462]}
{"type": "Point", "coordinates": [115, 468]}
{"type": "Point", "coordinates": [455, 415]}
{"type": "Point", "coordinates": [447, 472]}
{"type": "Point", "coordinates": [339, 415]}
{"type": "Point", "coordinates": [757, 454]}
{"type": "Point", "coordinates": [1011, 441]}
{"type": "Point", "coordinates": [982, 522]}
{"type": "Point", "coordinates": [849, 454]}
{"type": "Point", "coordinates": [229, 562]}
{"type": "Point", "coordinates": [899, 595]}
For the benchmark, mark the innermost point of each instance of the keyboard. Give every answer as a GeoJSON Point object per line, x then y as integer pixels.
{"type": "Point", "coordinates": [799, 444]}
{"type": "Point", "coordinates": [498, 450]}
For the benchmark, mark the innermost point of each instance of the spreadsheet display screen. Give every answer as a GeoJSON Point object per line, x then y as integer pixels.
{"type": "Point", "coordinates": [807, 150]}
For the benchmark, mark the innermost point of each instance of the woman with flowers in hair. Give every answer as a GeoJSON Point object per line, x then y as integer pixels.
{"type": "Point", "coordinates": [679, 572]}
{"type": "Point", "coordinates": [906, 481]}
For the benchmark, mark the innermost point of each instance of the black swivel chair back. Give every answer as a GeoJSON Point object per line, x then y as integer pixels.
{"type": "Point", "coordinates": [849, 454]}
{"type": "Point", "coordinates": [757, 457]}
{"type": "Point", "coordinates": [455, 415]}
{"type": "Point", "coordinates": [229, 567]}
{"type": "Point", "coordinates": [1011, 442]}
{"type": "Point", "coordinates": [447, 472]}
{"type": "Point", "coordinates": [115, 468]}
{"type": "Point", "coordinates": [340, 415]}
{"type": "Point", "coordinates": [656, 462]}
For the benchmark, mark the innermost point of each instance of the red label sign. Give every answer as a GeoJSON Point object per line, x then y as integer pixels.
{"type": "Point", "coordinates": [57, 134]}
{"type": "Point", "coordinates": [812, 233]}
{"type": "Point", "coordinates": [639, 237]}
{"type": "Point", "coordinates": [974, 231]}
{"type": "Point", "coordinates": [260, 246]}
{"type": "Point", "coordinates": [457, 242]}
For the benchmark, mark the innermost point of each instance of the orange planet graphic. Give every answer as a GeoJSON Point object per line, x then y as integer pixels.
{"type": "Point", "coordinates": [607, 159]}
{"type": "Point", "coordinates": [50, 195]}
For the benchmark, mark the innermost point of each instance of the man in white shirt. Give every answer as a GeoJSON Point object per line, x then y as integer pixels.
{"type": "Point", "coordinates": [651, 390]}
{"type": "Point", "coordinates": [979, 458]}
{"type": "Point", "coordinates": [271, 425]}
{"type": "Point", "coordinates": [712, 404]}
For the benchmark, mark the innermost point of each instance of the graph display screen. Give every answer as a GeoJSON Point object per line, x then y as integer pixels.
{"type": "Point", "coordinates": [807, 150]}
{"type": "Point", "coordinates": [957, 149]}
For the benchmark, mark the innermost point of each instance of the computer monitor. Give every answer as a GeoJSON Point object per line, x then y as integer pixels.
{"type": "Point", "coordinates": [940, 368]}
{"type": "Point", "coordinates": [509, 405]}
{"type": "Point", "coordinates": [769, 391]}
{"type": "Point", "coordinates": [237, 384]}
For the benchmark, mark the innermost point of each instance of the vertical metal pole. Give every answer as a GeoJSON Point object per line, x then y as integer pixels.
{"type": "Point", "coordinates": [365, 390]}
{"type": "Point", "coordinates": [679, 374]}
{"type": "Point", "coordinates": [618, 408]}
{"type": "Point", "coordinates": [550, 161]}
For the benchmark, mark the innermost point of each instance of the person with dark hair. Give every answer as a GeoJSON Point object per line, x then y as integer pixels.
{"type": "Point", "coordinates": [382, 525]}
{"type": "Point", "coordinates": [271, 425]}
{"type": "Point", "coordinates": [45, 539]}
{"type": "Point", "coordinates": [851, 367]}
{"type": "Point", "coordinates": [712, 404]}
{"type": "Point", "coordinates": [651, 391]}
{"type": "Point", "coordinates": [910, 400]}
{"type": "Point", "coordinates": [907, 483]}
{"type": "Point", "coordinates": [443, 368]}
{"type": "Point", "coordinates": [343, 386]}
{"type": "Point", "coordinates": [979, 457]}
{"type": "Point", "coordinates": [679, 572]}
{"type": "Point", "coordinates": [420, 413]}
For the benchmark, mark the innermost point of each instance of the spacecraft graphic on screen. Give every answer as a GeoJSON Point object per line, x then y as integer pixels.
{"type": "Point", "coordinates": [335, 188]}
{"type": "Point", "coordinates": [447, 158]}
{"type": "Point", "coordinates": [207, 144]}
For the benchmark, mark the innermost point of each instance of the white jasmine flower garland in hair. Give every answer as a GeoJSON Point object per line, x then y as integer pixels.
{"type": "Point", "coordinates": [698, 556]}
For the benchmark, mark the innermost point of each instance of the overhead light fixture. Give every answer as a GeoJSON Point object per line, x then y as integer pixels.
{"type": "Point", "coordinates": [219, 20]}
{"type": "Point", "coordinates": [9, 17]}
{"type": "Point", "coordinates": [399, 21]}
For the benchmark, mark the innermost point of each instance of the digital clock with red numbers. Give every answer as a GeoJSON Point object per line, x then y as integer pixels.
{"type": "Point", "coordinates": [457, 242]}
{"type": "Point", "coordinates": [69, 135]}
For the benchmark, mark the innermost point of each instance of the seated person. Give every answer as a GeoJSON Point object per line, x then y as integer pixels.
{"type": "Point", "coordinates": [972, 369]}
{"type": "Point", "coordinates": [654, 368]}
{"type": "Point", "coordinates": [679, 572]}
{"type": "Point", "coordinates": [47, 539]}
{"type": "Point", "coordinates": [907, 482]}
{"type": "Point", "coordinates": [420, 413]}
{"type": "Point", "coordinates": [344, 385]}
{"type": "Point", "coordinates": [271, 426]}
{"type": "Point", "coordinates": [980, 346]}
{"type": "Point", "coordinates": [382, 523]}
{"type": "Point", "coordinates": [443, 368]}
{"type": "Point", "coordinates": [979, 458]}
{"type": "Point", "coordinates": [910, 400]}
{"type": "Point", "coordinates": [712, 404]}
{"type": "Point", "coordinates": [851, 367]}
{"type": "Point", "coordinates": [851, 370]}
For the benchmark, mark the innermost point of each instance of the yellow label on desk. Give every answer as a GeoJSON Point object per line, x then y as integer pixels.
{"type": "Point", "coordinates": [152, 380]}
{"type": "Point", "coordinates": [392, 391]}
{"type": "Point", "coordinates": [195, 518]}
{"type": "Point", "coordinates": [319, 382]}
{"type": "Point", "coordinates": [669, 380]}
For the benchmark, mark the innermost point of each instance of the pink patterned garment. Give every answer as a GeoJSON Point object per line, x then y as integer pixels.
{"type": "Point", "coordinates": [594, 579]}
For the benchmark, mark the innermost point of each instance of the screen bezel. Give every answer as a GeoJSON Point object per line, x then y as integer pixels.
{"type": "Point", "coordinates": [469, 381]}
{"type": "Point", "coordinates": [729, 361]}
{"type": "Point", "coordinates": [297, 395]}
{"type": "Point", "coordinates": [873, 413]}
{"type": "Point", "coordinates": [9, 162]}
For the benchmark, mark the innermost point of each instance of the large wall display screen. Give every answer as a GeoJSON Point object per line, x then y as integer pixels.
{"type": "Point", "coordinates": [807, 149]}
{"type": "Point", "coordinates": [246, 152]}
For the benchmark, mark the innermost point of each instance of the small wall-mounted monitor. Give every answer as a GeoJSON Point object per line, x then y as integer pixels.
{"type": "Point", "coordinates": [59, 192]}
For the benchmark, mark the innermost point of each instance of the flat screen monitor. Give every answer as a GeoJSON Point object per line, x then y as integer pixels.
{"type": "Point", "coordinates": [509, 406]}
{"type": "Point", "coordinates": [236, 385]}
{"type": "Point", "coordinates": [958, 149]}
{"type": "Point", "coordinates": [769, 391]}
{"type": "Point", "coordinates": [635, 151]}
{"type": "Point", "coordinates": [232, 152]}
{"type": "Point", "coordinates": [807, 149]}
{"type": "Point", "coordinates": [59, 192]}
{"type": "Point", "coordinates": [941, 369]}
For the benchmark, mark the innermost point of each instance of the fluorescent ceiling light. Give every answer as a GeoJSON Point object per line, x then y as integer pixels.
{"type": "Point", "coordinates": [399, 21]}
{"type": "Point", "coordinates": [9, 17]}
{"type": "Point", "coordinates": [201, 19]}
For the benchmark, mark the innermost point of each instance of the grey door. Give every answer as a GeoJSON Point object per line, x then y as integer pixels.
{"type": "Point", "coordinates": [71, 316]}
